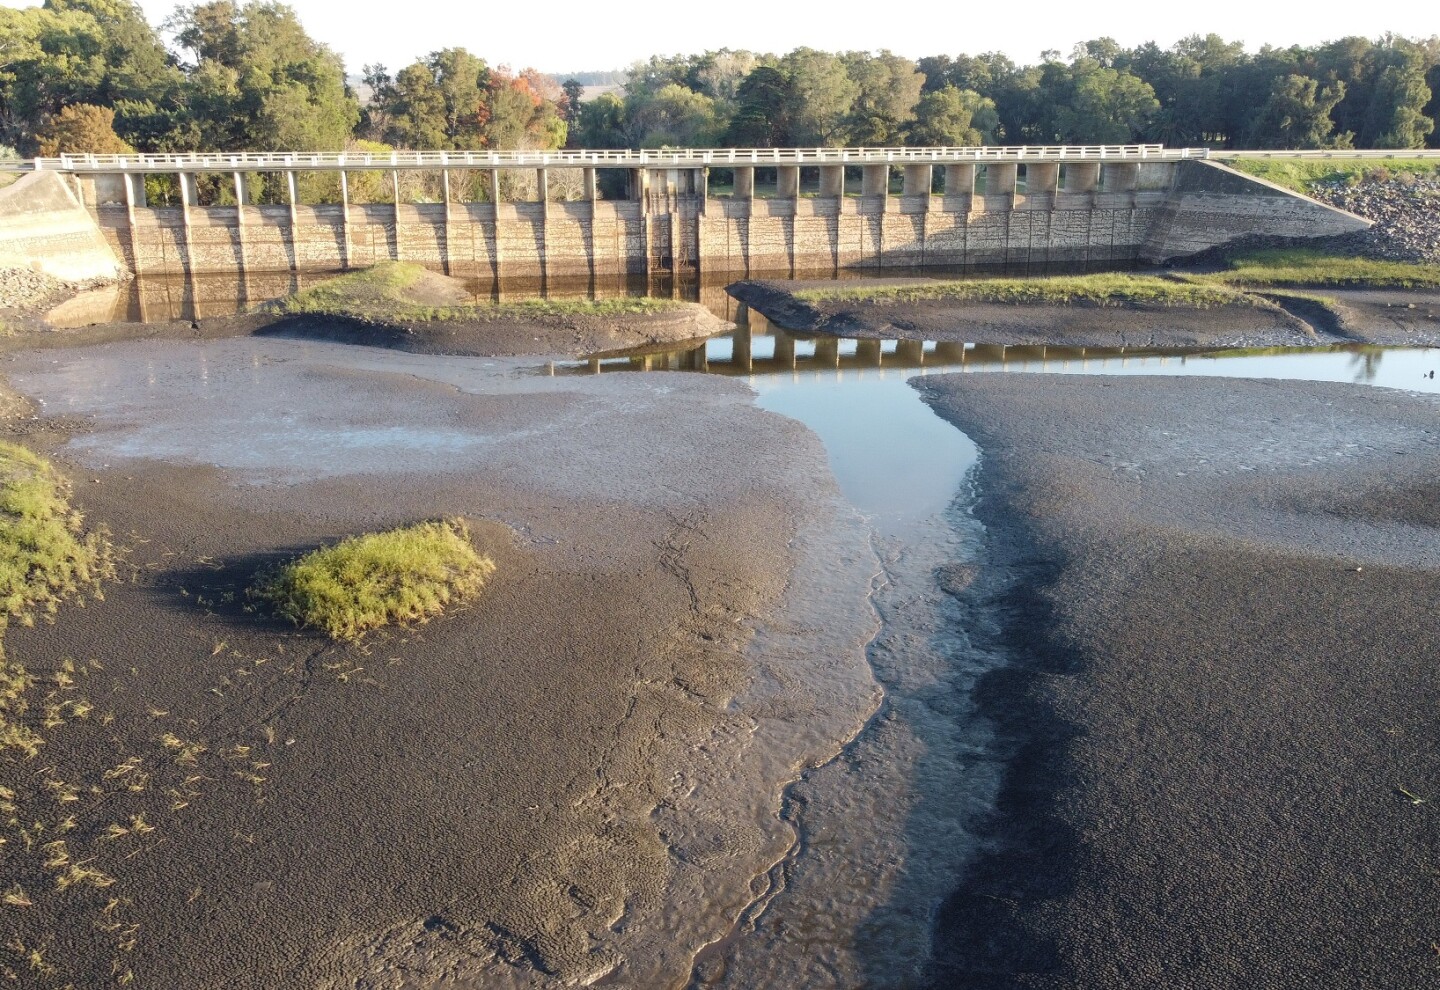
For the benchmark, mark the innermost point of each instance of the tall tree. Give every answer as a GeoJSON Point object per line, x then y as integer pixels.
{"type": "Point", "coordinates": [761, 118]}
{"type": "Point", "coordinates": [953, 117]}
{"type": "Point", "coordinates": [265, 82]}
{"type": "Point", "coordinates": [1297, 115]}
{"type": "Point", "coordinates": [888, 90]}
{"type": "Point", "coordinates": [820, 97]}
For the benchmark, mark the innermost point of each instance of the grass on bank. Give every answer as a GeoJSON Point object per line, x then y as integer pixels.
{"type": "Point", "coordinates": [400, 292]}
{"type": "Point", "coordinates": [405, 575]}
{"type": "Point", "coordinates": [1311, 267]}
{"type": "Point", "coordinates": [45, 558]}
{"type": "Point", "coordinates": [1300, 174]}
{"type": "Point", "coordinates": [1101, 289]}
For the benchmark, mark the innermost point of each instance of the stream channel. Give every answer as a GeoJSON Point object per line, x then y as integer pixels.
{"type": "Point", "coordinates": [884, 831]}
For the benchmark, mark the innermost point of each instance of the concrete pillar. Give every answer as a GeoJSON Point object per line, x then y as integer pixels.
{"type": "Point", "coordinates": [950, 352]}
{"type": "Point", "coordinates": [787, 182]}
{"type": "Point", "coordinates": [832, 181]}
{"type": "Point", "coordinates": [395, 190]}
{"type": "Point", "coordinates": [784, 350]}
{"type": "Point", "coordinates": [445, 189]}
{"type": "Point", "coordinates": [917, 180]}
{"type": "Point", "coordinates": [592, 189]}
{"type": "Point", "coordinates": [910, 353]}
{"type": "Point", "coordinates": [1117, 177]}
{"type": "Point", "coordinates": [542, 184]}
{"type": "Point", "coordinates": [827, 352]}
{"type": "Point", "coordinates": [189, 192]}
{"type": "Point", "coordinates": [293, 195]}
{"type": "Point", "coordinates": [744, 182]}
{"type": "Point", "coordinates": [1000, 179]}
{"type": "Point", "coordinates": [134, 191]}
{"type": "Point", "coordinates": [345, 218]}
{"type": "Point", "coordinates": [242, 190]}
{"type": "Point", "coordinates": [1041, 178]}
{"type": "Point", "coordinates": [876, 180]}
{"type": "Point", "coordinates": [868, 353]}
{"type": "Point", "coordinates": [702, 186]}
{"type": "Point", "coordinates": [639, 184]}
{"type": "Point", "coordinates": [959, 180]}
{"type": "Point", "coordinates": [1082, 177]}
{"type": "Point", "coordinates": [495, 188]}
{"type": "Point", "coordinates": [742, 348]}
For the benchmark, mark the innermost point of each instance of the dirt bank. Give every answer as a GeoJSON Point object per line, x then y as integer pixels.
{"type": "Point", "coordinates": [1399, 317]}
{"type": "Point", "coordinates": [1219, 598]}
{"type": "Point", "coordinates": [577, 774]}
{"type": "Point", "coordinates": [511, 336]}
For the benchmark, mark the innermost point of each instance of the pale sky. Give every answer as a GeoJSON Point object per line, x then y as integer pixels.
{"type": "Point", "coordinates": [570, 35]}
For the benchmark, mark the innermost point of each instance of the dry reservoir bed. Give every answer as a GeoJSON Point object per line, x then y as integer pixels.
{"type": "Point", "coordinates": [577, 775]}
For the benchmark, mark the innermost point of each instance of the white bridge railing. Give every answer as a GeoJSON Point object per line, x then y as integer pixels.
{"type": "Point", "coordinates": [260, 161]}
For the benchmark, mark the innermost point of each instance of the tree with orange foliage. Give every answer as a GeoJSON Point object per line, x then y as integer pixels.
{"type": "Point", "coordinates": [81, 128]}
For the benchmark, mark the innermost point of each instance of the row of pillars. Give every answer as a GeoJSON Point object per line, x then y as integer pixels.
{"type": "Point", "coordinates": [1000, 179]}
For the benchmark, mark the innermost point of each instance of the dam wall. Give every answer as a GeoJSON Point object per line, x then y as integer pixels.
{"type": "Point", "coordinates": [43, 226]}
{"type": "Point", "coordinates": [1000, 207]}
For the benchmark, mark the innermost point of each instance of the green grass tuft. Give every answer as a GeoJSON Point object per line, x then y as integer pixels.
{"type": "Point", "coordinates": [387, 293]}
{"type": "Point", "coordinates": [1300, 174]}
{"type": "Point", "coordinates": [1104, 289]}
{"type": "Point", "coordinates": [1310, 267]}
{"type": "Point", "coordinates": [405, 575]}
{"type": "Point", "coordinates": [44, 559]}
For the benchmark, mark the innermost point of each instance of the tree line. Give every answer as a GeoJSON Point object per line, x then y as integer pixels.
{"type": "Point", "coordinates": [94, 75]}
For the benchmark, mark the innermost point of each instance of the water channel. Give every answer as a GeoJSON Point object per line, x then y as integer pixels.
{"type": "Point", "coordinates": [883, 832]}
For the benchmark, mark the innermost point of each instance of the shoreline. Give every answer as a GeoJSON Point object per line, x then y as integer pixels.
{"type": "Point", "coordinates": [1196, 650]}
{"type": "Point", "coordinates": [573, 335]}
{"type": "Point", "coordinates": [1283, 317]}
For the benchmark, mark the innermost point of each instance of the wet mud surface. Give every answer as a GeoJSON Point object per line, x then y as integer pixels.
{"type": "Point", "coordinates": [1217, 597]}
{"type": "Point", "coordinates": [575, 778]}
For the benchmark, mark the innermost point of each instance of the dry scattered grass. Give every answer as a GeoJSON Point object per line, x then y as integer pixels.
{"type": "Point", "coordinates": [45, 558]}
{"type": "Point", "coordinates": [404, 575]}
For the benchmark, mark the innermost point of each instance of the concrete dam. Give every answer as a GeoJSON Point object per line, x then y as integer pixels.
{"type": "Point", "coordinates": [587, 214]}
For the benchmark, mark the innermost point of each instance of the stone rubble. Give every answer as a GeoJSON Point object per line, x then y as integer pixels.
{"type": "Point", "coordinates": [26, 289]}
{"type": "Point", "coordinates": [1406, 211]}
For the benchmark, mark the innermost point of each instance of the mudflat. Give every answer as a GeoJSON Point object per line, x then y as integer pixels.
{"type": "Point", "coordinates": [577, 773]}
{"type": "Point", "coordinates": [1218, 598]}
{"type": "Point", "coordinates": [1278, 318]}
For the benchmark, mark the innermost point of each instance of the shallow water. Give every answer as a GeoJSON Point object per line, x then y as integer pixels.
{"type": "Point", "coordinates": [885, 830]}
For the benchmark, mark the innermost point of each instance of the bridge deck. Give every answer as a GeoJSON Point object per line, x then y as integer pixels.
{"type": "Point", "coordinates": [655, 159]}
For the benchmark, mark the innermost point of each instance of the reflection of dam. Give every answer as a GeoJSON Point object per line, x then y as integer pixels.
{"type": "Point", "coordinates": [757, 351]}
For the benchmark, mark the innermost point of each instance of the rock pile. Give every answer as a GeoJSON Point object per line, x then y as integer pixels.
{"type": "Point", "coordinates": [23, 288]}
{"type": "Point", "coordinates": [1406, 211]}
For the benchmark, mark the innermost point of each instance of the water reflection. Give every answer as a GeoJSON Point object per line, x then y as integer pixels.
{"type": "Point", "coordinates": [774, 352]}
{"type": "Point", "coordinates": [167, 298]}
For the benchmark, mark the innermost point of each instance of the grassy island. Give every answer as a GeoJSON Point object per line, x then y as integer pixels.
{"type": "Point", "coordinates": [1101, 289]}
{"type": "Point", "coordinates": [1301, 267]}
{"type": "Point", "coordinates": [406, 575]}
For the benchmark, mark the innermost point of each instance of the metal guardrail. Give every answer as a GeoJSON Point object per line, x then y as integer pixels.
{"type": "Point", "coordinates": [1357, 153]}
{"type": "Point", "coordinates": [661, 158]}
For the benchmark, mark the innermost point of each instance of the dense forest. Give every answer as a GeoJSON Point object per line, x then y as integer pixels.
{"type": "Point", "coordinates": [94, 75]}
